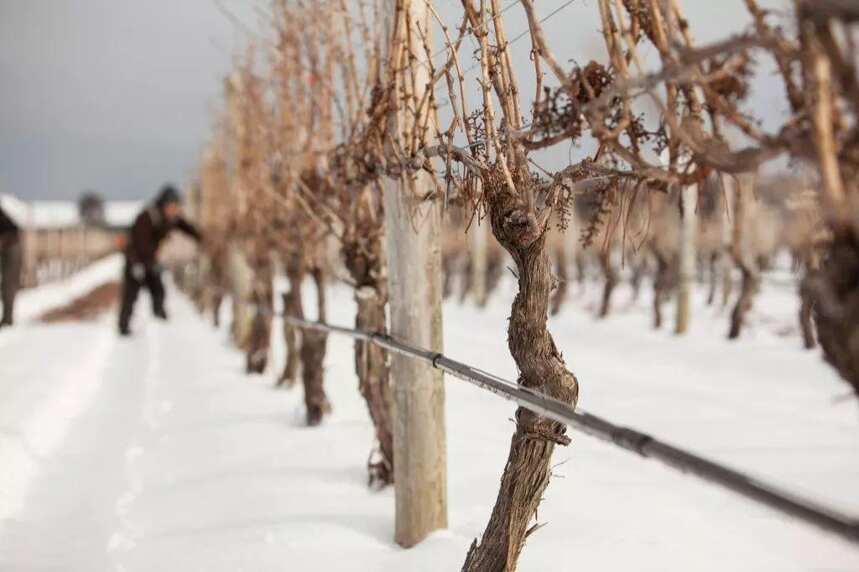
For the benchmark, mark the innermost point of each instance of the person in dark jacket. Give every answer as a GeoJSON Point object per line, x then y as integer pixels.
{"type": "Point", "coordinates": [10, 265]}
{"type": "Point", "coordinates": [149, 230]}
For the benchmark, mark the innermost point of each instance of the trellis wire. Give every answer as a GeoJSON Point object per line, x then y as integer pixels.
{"type": "Point", "coordinates": [788, 503]}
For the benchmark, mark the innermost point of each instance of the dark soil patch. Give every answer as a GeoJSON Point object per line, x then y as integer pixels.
{"type": "Point", "coordinates": [86, 307]}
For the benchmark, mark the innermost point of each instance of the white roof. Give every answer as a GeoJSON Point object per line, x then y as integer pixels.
{"type": "Point", "coordinates": [122, 213]}
{"type": "Point", "coordinates": [16, 209]}
{"type": "Point", "coordinates": [54, 214]}
{"type": "Point", "coordinates": [43, 214]}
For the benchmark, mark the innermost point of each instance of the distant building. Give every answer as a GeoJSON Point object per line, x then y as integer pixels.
{"type": "Point", "coordinates": [60, 237]}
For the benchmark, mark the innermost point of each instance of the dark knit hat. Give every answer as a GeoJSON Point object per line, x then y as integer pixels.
{"type": "Point", "coordinates": [168, 194]}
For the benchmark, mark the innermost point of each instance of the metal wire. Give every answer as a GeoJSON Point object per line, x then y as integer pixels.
{"type": "Point", "coordinates": [793, 505]}
{"type": "Point", "coordinates": [515, 39]}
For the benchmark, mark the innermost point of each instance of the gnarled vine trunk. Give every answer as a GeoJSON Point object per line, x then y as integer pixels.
{"type": "Point", "coordinates": [314, 344]}
{"type": "Point", "coordinates": [216, 284]}
{"type": "Point", "coordinates": [611, 280]}
{"type": "Point", "coordinates": [723, 263]}
{"type": "Point", "coordinates": [834, 288]}
{"type": "Point", "coordinates": [294, 307]}
{"type": "Point", "coordinates": [371, 364]}
{"type": "Point", "coordinates": [810, 266]}
{"type": "Point", "coordinates": [836, 305]}
{"type": "Point", "coordinates": [364, 260]}
{"type": "Point", "coordinates": [494, 270]}
{"type": "Point", "coordinates": [639, 270]}
{"type": "Point", "coordinates": [541, 366]}
{"type": "Point", "coordinates": [259, 340]}
{"type": "Point", "coordinates": [743, 253]}
{"type": "Point", "coordinates": [713, 277]}
{"type": "Point", "coordinates": [806, 322]}
{"type": "Point", "coordinates": [661, 285]}
{"type": "Point", "coordinates": [750, 287]}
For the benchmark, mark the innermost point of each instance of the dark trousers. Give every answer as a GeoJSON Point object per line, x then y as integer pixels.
{"type": "Point", "coordinates": [11, 259]}
{"type": "Point", "coordinates": [131, 288]}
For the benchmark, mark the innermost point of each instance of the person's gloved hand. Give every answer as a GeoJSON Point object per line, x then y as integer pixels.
{"type": "Point", "coordinates": [138, 272]}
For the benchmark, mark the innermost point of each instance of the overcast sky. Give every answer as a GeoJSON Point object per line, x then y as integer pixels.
{"type": "Point", "coordinates": [112, 95]}
{"type": "Point", "coordinates": [119, 95]}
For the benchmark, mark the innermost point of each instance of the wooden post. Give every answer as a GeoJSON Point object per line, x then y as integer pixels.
{"type": "Point", "coordinates": [240, 280]}
{"type": "Point", "coordinates": [726, 265]}
{"type": "Point", "coordinates": [686, 278]}
{"type": "Point", "coordinates": [745, 203]}
{"type": "Point", "coordinates": [414, 283]}
{"type": "Point", "coordinates": [412, 228]}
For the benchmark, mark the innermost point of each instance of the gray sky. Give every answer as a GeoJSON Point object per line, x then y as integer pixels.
{"type": "Point", "coordinates": [119, 95]}
{"type": "Point", "coordinates": [114, 95]}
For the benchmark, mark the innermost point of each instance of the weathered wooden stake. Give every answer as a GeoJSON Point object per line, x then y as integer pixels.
{"type": "Point", "coordinates": [686, 274]}
{"type": "Point", "coordinates": [414, 282]}
{"type": "Point", "coordinates": [412, 228]}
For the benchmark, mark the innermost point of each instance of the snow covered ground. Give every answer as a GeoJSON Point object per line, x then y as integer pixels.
{"type": "Point", "coordinates": [31, 302]}
{"type": "Point", "coordinates": [158, 453]}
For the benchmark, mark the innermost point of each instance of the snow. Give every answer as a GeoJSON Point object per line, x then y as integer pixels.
{"type": "Point", "coordinates": [120, 214]}
{"type": "Point", "coordinates": [158, 453]}
{"type": "Point", "coordinates": [32, 301]}
{"type": "Point", "coordinates": [37, 416]}
{"type": "Point", "coordinates": [15, 208]}
{"type": "Point", "coordinates": [54, 214]}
